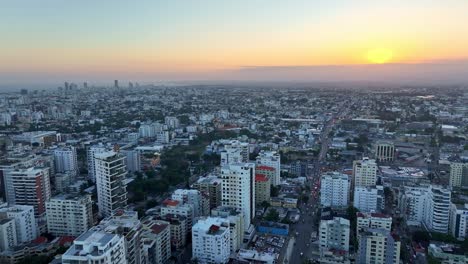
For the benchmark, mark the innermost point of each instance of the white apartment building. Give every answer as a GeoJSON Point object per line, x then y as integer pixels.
{"type": "Point", "coordinates": [91, 159]}
{"type": "Point", "coordinates": [243, 147]}
{"type": "Point", "coordinates": [96, 247]}
{"type": "Point", "coordinates": [8, 237]}
{"type": "Point", "coordinates": [175, 207]}
{"type": "Point", "coordinates": [365, 221]}
{"type": "Point", "coordinates": [458, 174]}
{"type": "Point", "coordinates": [62, 181]}
{"type": "Point", "coordinates": [110, 182]}
{"type": "Point", "coordinates": [231, 156]}
{"type": "Point", "coordinates": [238, 189]}
{"type": "Point", "coordinates": [69, 215]}
{"type": "Point", "coordinates": [25, 223]}
{"type": "Point", "coordinates": [236, 224]}
{"type": "Point", "coordinates": [189, 196]}
{"type": "Point", "coordinates": [364, 172]}
{"type": "Point", "coordinates": [211, 241]}
{"type": "Point", "coordinates": [29, 186]}
{"type": "Point", "coordinates": [156, 240]}
{"type": "Point", "coordinates": [65, 160]}
{"type": "Point", "coordinates": [369, 199]}
{"type": "Point", "coordinates": [271, 159]}
{"type": "Point", "coordinates": [378, 246]}
{"type": "Point", "coordinates": [132, 160]}
{"type": "Point", "coordinates": [459, 220]}
{"type": "Point", "coordinates": [334, 189]}
{"type": "Point", "coordinates": [334, 234]}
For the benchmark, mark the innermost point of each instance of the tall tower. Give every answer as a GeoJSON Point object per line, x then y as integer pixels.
{"type": "Point", "coordinates": [238, 189]}
{"type": "Point", "coordinates": [110, 176]}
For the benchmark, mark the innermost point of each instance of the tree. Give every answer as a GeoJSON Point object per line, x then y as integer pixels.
{"type": "Point", "coordinates": [274, 191]}
{"type": "Point", "coordinates": [272, 215]}
{"type": "Point", "coordinates": [265, 204]}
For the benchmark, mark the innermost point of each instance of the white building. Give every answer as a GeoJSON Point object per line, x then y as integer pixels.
{"type": "Point", "coordinates": [334, 189]}
{"type": "Point", "coordinates": [91, 155]}
{"type": "Point", "coordinates": [96, 247]}
{"type": "Point", "coordinates": [271, 159]}
{"type": "Point", "coordinates": [8, 237]}
{"type": "Point", "coordinates": [243, 147]}
{"type": "Point", "coordinates": [156, 240]}
{"type": "Point", "coordinates": [62, 181]}
{"type": "Point", "coordinates": [189, 196]}
{"type": "Point", "coordinates": [211, 241]}
{"type": "Point", "coordinates": [231, 156]}
{"type": "Point", "coordinates": [378, 246]}
{"type": "Point", "coordinates": [238, 189]}
{"type": "Point", "coordinates": [365, 221]}
{"type": "Point", "coordinates": [369, 199]}
{"type": "Point", "coordinates": [459, 220]}
{"type": "Point", "coordinates": [132, 160]}
{"type": "Point", "coordinates": [334, 234]}
{"type": "Point", "coordinates": [236, 224]}
{"type": "Point", "coordinates": [25, 223]}
{"type": "Point", "coordinates": [364, 172]}
{"type": "Point", "coordinates": [110, 182]}
{"type": "Point", "coordinates": [65, 160]}
{"type": "Point", "coordinates": [459, 174]}
{"type": "Point", "coordinates": [176, 207]}
{"type": "Point", "coordinates": [69, 215]}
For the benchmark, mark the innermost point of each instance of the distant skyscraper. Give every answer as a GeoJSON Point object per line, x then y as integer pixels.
{"type": "Point", "coordinates": [85, 85]}
{"type": "Point", "coordinates": [116, 83]}
{"type": "Point", "coordinates": [110, 177]}
{"type": "Point", "coordinates": [92, 151]}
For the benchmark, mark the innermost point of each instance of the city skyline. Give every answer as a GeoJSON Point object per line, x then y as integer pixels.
{"type": "Point", "coordinates": [53, 41]}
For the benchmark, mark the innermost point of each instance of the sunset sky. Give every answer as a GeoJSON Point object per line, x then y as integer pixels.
{"type": "Point", "coordinates": [54, 40]}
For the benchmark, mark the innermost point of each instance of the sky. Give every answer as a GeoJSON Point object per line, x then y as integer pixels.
{"type": "Point", "coordinates": [51, 41]}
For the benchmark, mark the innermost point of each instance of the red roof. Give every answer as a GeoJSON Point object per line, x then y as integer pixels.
{"type": "Point", "coordinates": [40, 240]}
{"type": "Point", "coordinates": [261, 177]}
{"type": "Point", "coordinates": [263, 167]}
{"type": "Point", "coordinates": [157, 228]}
{"type": "Point", "coordinates": [66, 240]}
{"type": "Point", "coordinates": [170, 202]}
{"type": "Point", "coordinates": [214, 228]}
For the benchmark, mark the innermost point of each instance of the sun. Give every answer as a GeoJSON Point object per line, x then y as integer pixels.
{"type": "Point", "coordinates": [380, 55]}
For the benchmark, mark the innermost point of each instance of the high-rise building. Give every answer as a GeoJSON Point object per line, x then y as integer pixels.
{"type": "Point", "coordinates": [96, 247]}
{"type": "Point", "coordinates": [236, 224]}
{"type": "Point", "coordinates": [231, 156]}
{"type": "Point", "coordinates": [29, 186]}
{"type": "Point", "coordinates": [459, 220]}
{"type": "Point", "coordinates": [459, 174]}
{"type": "Point", "coordinates": [243, 147]}
{"type": "Point", "coordinates": [364, 173]}
{"type": "Point", "coordinates": [25, 223]}
{"type": "Point", "coordinates": [334, 189]}
{"type": "Point", "coordinates": [132, 160]}
{"type": "Point", "coordinates": [91, 155]}
{"type": "Point", "coordinates": [334, 235]}
{"type": "Point", "coordinates": [116, 83]}
{"type": "Point", "coordinates": [189, 196]}
{"type": "Point", "coordinates": [175, 207]}
{"type": "Point", "coordinates": [384, 151]}
{"type": "Point", "coordinates": [238, 189]}
{"type": "Point", "coordinates": [156, 240]}
{"type": "Point", "coordinates": [262, 189]}
{"type": "Point", "coordinates": [178, 228]}
{"type": "Point", "coordinates": [8, 237]}
{"type": "Point", "coordinates": [66, 161]}
{"type": "Point", "coordinates": [211, 241]}
{"type": "Point", "coordinates": [369, 199]}
{"type": "Point", "coordinates": [268, 171]}
{"type": "Point", "coordinates": [365, 221]}
{"type": "Point", "coordinates": [378, 246]}
{"type": "Point", "coordinates": [69, 215]}
{"type": "Point", "coordinates": [110, 182]}
{"type": "Point", "coordinates": [210, 185]}
{"type": "Point", "coordinates": [271, 159]}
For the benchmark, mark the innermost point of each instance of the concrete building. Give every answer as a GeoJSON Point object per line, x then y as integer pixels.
{"type": "Point", "coordinates": [378, 246]}
{"type": "Point", "coordinates": [236, 224]}
{"type": "Point", "coordinates": [132, 160]}
{"type": "Point", "coordinates": [262, 189]}
{"type": "Point", "coordinates": [413, 205]}
{"type": "Point", "coordinates": [459, 220]}
{"type": "Point", "coordinates": [384, 151]}
{"type": "Point", "coordinates": [110, 182]}
{"type": "Point", "coordinates": [210, 185]}
{"type": "Point", "coordinates": [458, 174]}
{"type": "Point", "coordinates": [268, 171]}
{"type": "Point", "coordinates": [369, 199]}
{"type": "Point", "coordinates": [91, 155]}
{"type": "Point", "coordinates": [29, 186]}
{"type": "Point", "coordinates": [69, 215]}
{"type": "Point", "coordinates": [438, 209]}
{"type": "Point", "coordinates": [175, 207]}
{"type": "Point", "coordinates": [364, 172]}
{"type": "Point", "coordinates": [8, 237]}
{"type": "Point", "coordinates": [238, 189]}
{"type": "Point", "coordinates": [271, 159]}
{"type": "Point", "coordinates": [334, 234]}
{"type": "Point", "coordinates": [96, 247]}
{"type": "Point", "coordinates": [365, 221]}
{"type": "Point", "coordinates": [156, 240]}
{"type": "Point", "coordinates": [65, 160]}
{"type": "Point", "coordinates": [334, 189]}
{"type": "Point", "coordinates": [126, 224]}
{"type": "Point", "coordinates": [25, 223]}
{"type": "Point", "coordinates": [178, 229]}
{"type": "Point", "coordinates": [231, 156]}
{"type": "Point", "coordinates": [211, 241]}
{"type": "Point", "coordinates": [447, 253]}
{"type": "Point", "coordinates": [62, 181]}
{"type": "Point", "coordinates": [243, 147]}
{"type": "Point", "coordinates": [189, 196]}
